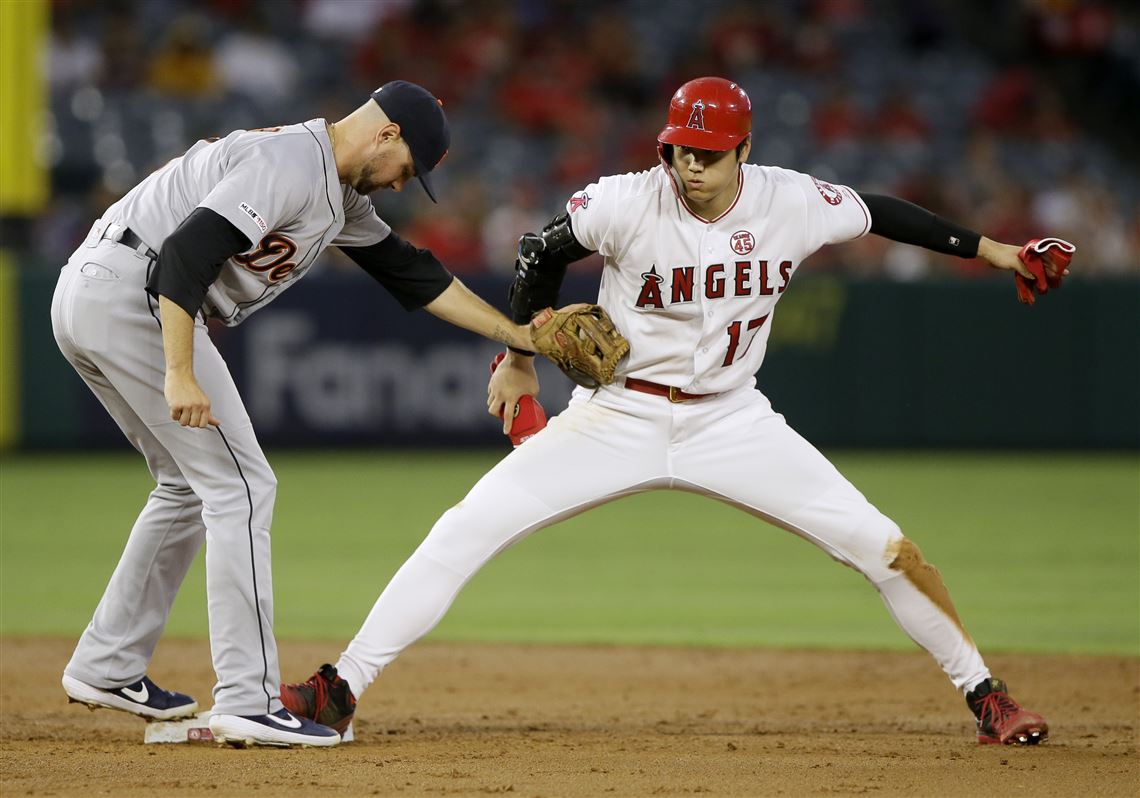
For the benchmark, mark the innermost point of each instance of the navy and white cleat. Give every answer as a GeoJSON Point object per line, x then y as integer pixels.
{"type": "Point", "coordinates": [143, 698]}
{"type": "Point", "coordinates": [281, 728]}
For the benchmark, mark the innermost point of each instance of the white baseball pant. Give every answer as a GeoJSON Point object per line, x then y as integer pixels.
{"type": "Point", "coordinates": [614, 442]}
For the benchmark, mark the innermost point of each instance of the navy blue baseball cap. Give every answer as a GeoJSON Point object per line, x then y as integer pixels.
{"type": "Point", "coordinates": [422, 125]}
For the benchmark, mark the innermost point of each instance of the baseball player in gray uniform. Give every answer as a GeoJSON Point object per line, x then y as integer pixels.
{"type": "Point", "coordinates": [218, 233]}
{"type": "Point", "coordinates": [697, 253]}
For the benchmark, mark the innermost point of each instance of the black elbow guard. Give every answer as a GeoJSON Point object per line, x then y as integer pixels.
{"type": "Point", "coordinates": [540, 268]}
{"type": "Point", "coordinates": [537, 280]}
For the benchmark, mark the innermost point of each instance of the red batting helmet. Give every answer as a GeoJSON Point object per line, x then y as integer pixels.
{"type": "Point", "coordinates": [708, 114]}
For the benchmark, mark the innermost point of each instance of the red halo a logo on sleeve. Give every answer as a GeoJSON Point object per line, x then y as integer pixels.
{"type": "Point", "coordinates": [829, 192]}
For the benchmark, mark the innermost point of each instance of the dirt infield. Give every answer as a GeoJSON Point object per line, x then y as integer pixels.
{"type": "Point", "coordinates": [547, 721]}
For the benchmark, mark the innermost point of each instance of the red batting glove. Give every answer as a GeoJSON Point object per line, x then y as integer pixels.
{"type": "Point", "coordinates": [1047, 259]}
{"type": "Point", "coordinates": [530, 418]}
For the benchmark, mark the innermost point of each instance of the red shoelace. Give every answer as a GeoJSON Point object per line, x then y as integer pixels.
{"type": "Point", "coordinates": [320, 694]}
{"type": "Point", "coordinates": [995, 707]}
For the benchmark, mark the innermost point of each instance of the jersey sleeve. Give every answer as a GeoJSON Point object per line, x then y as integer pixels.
{"type": "Point", "coordinates": [262, 189]}
{"type": "Point", "coordinates": [362, 226]}
{"type": "Point", "coordinates": [592, 212]}
{"type": "Point", "coordinates": [834, 213]}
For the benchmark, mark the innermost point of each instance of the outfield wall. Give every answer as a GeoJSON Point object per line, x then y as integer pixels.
{"type": "Point", "coordinates": [335, 361]}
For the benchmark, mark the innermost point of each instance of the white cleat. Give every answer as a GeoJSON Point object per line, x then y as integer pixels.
{"type": "Point", "coordinates": [143, 698]}
{"type": "Point", "coordinates": [281, 729]}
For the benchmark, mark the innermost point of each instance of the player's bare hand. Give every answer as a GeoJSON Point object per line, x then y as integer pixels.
{"type": "Point", "coordinates": [189, 405]}
{"type": "Point", "coordinates": [1003, 256]}
{"type": "Point", "coordinates": [514, 377]}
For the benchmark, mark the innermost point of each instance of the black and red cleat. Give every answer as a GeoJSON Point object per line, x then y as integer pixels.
{"type": "Point", "coordinates": [325, 698]}
{"type": "Point", "coordinates": [1001, 720]}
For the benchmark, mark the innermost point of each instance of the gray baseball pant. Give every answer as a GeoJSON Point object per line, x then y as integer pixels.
{"type": "Point", "coordinates": [213, 485]}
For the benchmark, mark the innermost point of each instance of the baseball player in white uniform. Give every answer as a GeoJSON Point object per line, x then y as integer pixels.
{"type": "Point", "coordinates": [218, 233]}
{"type": "Point", "coordinates": [697, 253]}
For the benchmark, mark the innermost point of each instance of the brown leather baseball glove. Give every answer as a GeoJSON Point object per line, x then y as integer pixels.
{"type": "Point", "coordinates": [582, 341]}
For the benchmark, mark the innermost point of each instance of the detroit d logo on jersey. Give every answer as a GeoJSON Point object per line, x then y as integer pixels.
{"type": "Point", "coordinates": [271, 258]}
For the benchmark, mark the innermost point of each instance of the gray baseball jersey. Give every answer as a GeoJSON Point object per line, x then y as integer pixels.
{"type": "Point", "coordinates": [280, 188]}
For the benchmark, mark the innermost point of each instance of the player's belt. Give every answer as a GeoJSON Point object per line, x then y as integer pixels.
{"type": "Point", "coordinates": [127, 238]}
{"type": "Point", "coordinates": [668, 391]}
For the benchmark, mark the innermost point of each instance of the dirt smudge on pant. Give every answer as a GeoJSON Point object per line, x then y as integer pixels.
{"type": "Point", "coordinates": [907, 557]}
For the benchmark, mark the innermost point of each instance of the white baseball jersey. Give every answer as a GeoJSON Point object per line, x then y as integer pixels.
{"type": "Point", "coordinates": [279, 186]}
{"type": "Point", "coordinates": [696, 297]}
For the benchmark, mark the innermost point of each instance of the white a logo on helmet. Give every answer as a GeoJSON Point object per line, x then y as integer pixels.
{"type": "Point", "coordinates": [697, 117]}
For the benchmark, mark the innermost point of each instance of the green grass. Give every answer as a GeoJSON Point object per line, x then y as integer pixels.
{"type": "Point", "coordinates": [1041, 552]}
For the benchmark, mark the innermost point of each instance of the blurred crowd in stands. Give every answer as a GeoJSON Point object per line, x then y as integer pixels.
{"type": "Point", "coordinates": [1012, 122]}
